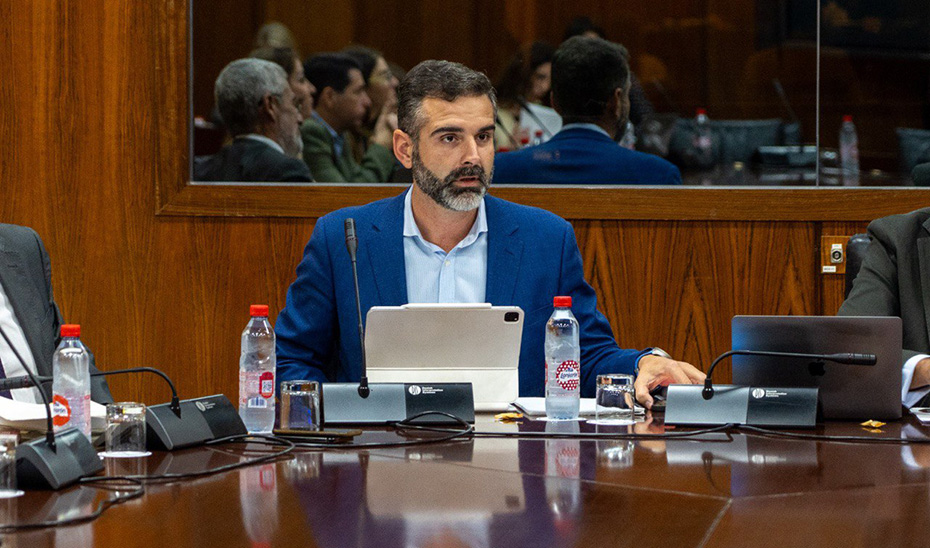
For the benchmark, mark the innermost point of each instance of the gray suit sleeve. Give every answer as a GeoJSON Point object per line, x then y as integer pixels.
{"type": "Point", "coordinates": [99, 389]}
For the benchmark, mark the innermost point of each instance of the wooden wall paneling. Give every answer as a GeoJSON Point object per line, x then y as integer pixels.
{"type": "Point", "coordinates": [676, 285]}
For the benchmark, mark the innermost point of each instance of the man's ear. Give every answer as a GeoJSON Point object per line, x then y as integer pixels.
{"type": "Point", "coordinates": [326, 97]}
{"type": "Point", "coordinates": [403, 148]}
{"type": "Point", "coordinates": [269, 107]}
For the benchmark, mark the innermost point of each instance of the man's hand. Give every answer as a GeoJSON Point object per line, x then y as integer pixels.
{"type": "Point", "coordinates": [921, 376]}
{"type": "Point", "coordinates": [383, 133]}
{"type": "Point", "coordinates": [656, 370]}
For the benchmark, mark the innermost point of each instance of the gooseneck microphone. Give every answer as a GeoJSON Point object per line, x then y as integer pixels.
{"type": "Point", "coordinates": [44, 463]}
{"type": "Point", "coordinates": [844, 358]}
{"type": "Point", "coordinates": [352, 247]}
{"type": "Point", "coordinates": [34, 381]}
{"type": "Point", "coordinates": [27, 381]}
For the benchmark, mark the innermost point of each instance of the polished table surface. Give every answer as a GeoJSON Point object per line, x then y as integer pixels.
{"type": "Point", "coordinates": [727, 489]}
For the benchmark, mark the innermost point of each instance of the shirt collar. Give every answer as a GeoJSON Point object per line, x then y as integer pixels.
{"type": "Point", "coordinates": [580, 125]}
{"type": "Point", "coordinates": [262, 139]}
{"type": "Point", "coordinates": [328, 127]}
{"type": "Point", "coordinates": [413, 231]}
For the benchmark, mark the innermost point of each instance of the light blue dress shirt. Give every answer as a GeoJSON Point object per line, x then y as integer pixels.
{"type": "Point", "coordinates": [434, 276]}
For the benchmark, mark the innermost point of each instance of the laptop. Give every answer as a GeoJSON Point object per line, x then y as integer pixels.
{"type": "Point", "coordinates": [846, 391]}
{"type": "Point", "coordinates": [450, 343]}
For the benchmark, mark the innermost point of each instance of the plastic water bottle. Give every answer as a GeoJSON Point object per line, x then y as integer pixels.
{"type": "Point", "coordinates": [538, 137]}
{"type": "Point", "coordinates": [703, 142]}
{"type": "Point", "coordinates": [849, 147]}
{"type": "Point", "coordinates": [629, 137]}
{"type": "Point", "coordinates": [563, 362]}
{"type": "Point", "coordinates": [256, 372]}
{"type": "Point", "coordinates": [71, 382]}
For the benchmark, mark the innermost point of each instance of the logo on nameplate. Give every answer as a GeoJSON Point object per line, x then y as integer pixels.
{"type": "Point", "coordinates": [415, 390]}
{"type": "Point", "coordinates": [758, 393]}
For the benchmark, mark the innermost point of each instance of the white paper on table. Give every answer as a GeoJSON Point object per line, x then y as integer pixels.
{"type": "Point", "coordinates": [32, 416]}
{"type": "Point", "coordinates": [536, 407]}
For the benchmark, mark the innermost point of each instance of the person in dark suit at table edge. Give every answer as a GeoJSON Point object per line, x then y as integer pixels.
{"type": "Point", "coordinates": [262, 114]}
{"type": "Point", "coordinates": [29, 315]}
{"type": "Point", "coordinates": [590, 89]}
{"type": "Point", "coordinates": [445, 240]}
{"type": "Point", "coordinates": [894, 280]}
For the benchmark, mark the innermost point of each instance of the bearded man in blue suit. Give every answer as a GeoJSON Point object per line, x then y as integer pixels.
{"type": "Point", "coordinates": [444, 240]}
{"type": "Point", "coordinates": [591, 90]}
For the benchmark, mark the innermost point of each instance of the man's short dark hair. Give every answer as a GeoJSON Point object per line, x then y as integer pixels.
{"type": "Point", "coordinates": [438, 80]}
{"type": "Point", "coordinates": [330, 70]}
{"type": "Point", "coordinates": [585, 73]}
{"type": "Point", "coordinates": [366, 58]}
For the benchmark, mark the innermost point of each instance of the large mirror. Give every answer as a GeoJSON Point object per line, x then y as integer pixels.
{"type": "Point", "coordinates": [751, 66]}
{"type": "Point", "coordinates": [875, 76]}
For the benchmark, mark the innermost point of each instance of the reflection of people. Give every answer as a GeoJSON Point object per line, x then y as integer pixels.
{"type": "Point", "coordinates": [261, 112]}
{"type": "Point", "coordinates": [28, 313]}
{"type": "Point", "coordinates": [444, 241]}
{"type": "Point", "coordinates": [381, 87]}
{"type": "Point", "coordinates": [526, 79]}
{"type": "Point", "coordinates": [287, 59]}
{"type": "Point", "coordinates": [590, 87]}
{"type": "Point", "coordinates": [894, 280]}
{"type": "Point", "coordinates": [341, 105]}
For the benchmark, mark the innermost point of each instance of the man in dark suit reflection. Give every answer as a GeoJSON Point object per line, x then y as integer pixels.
{"type": "Point", "coordinates": [262, 114]}
{"type": "Point", "coordinates": [590, 89]}
{"type": "Point", "coordinates": [28, 313]}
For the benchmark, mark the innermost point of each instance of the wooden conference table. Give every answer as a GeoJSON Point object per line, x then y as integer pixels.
{"type": "Point", "coordinates": [725, 490]}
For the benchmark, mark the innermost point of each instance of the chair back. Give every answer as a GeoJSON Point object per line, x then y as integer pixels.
{"type": "Point", "coordinates": [913, 147]}
{"type": "Point", "coordinates": [855, 252]}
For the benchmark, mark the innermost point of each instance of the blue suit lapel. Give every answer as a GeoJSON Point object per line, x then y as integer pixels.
{"type": "Point", "coordinates": [505, 249]}
{"type": "Point", "coordinates": [384, 247]}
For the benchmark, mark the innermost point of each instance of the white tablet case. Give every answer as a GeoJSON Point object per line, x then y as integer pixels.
{"type": "Point", "coordinates": [419, 343]}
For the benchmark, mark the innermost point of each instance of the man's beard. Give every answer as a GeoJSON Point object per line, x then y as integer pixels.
{"type": "Point", "coordinates": [293, 145]}
{"type": "Point", "coordinates": [444, 192]}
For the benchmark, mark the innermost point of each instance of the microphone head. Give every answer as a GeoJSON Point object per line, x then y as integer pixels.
{"type": "Point", "coordinates": [351, 238]}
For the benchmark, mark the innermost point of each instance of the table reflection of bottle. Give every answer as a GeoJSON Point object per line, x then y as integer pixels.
{"type": "Point", "coordinates": [563, 467]}
{"type": "Point", "coordinates": [258, 495]}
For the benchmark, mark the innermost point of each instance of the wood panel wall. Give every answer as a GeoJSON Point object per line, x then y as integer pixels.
{"type": "Point", "coordinates": [94, 159]}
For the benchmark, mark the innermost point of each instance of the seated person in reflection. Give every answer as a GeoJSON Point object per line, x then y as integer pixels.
{"type": "Point", "coordinates": [590, 89]}
{"type": "Point", "coordinates": [381, 87]}
{"type": "Point", "coordinates": [29, 315]}
{"type": "Point", "coordinates": [894, 280]}
{"type": "Point", "coordinates": [287, 59]}
{"type": "Point", "coordinates": [526, 79]}
{"type": "Point", "coordinates": [341, 105]}
{"type": "Point", "coordinates": [262, 114]}
{"type": "Point", "coordinates": [444, 241]}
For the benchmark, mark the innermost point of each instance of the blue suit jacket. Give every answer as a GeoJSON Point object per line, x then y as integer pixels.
{"type": "Point", "coordinates": [583, 156]}
{"type": "Point", "coordinates": [532, 256]}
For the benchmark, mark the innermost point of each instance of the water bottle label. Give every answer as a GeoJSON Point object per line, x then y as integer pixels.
{"type": "Point", "coordinates": [257, 402]}
{"type": "Point", "coordinates": [266, 384]}
{"type": "Point", "coordinates": [568, 375]}
{"type": "Point", "coordinates": [61, 410]}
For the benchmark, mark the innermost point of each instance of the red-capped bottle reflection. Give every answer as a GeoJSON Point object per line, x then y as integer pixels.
{"type": "Point", "coordinates": [258, 495]}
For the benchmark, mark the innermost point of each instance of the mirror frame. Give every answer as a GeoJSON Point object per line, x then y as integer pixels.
{"type": "Point", "coordinates": [177, 195]}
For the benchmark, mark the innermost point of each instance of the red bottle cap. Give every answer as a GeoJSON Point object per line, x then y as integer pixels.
{"type": "Point", "coordinates": [701, 111]}
{"type": "Point", "coordinates": [562, 302]}
{"type": "Point", "coordinates": [847, 118]}
{"type": "Point", "coordinates": [70, 330]}
{"type": "Point", "coordinates": [260, 310]}
{"type": "Point", "coordinates": [525, 141]}
{"type": "Point", "coordinates": [538, 133]}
